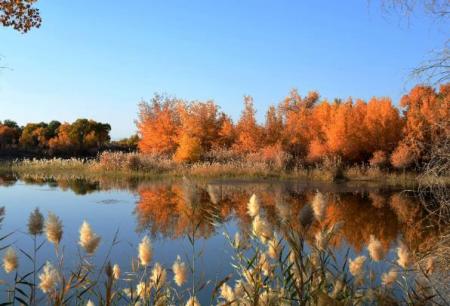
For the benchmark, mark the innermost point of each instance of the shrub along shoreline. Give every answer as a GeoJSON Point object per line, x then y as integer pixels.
{"type": "Point", "coordinates": [130, 165]}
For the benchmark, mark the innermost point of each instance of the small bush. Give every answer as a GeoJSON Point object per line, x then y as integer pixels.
{"type": "Point", "coordinates": [379, 159]}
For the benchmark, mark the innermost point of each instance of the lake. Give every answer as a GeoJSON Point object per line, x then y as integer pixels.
{"type": "Point", "coordinates": [171, 211]}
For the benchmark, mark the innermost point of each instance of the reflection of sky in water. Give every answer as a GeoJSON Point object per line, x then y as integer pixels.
{"type": "Point", "coordinates": [108, 211]}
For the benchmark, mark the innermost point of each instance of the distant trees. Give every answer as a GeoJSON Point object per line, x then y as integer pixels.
{"type": "Point", "coordinates": [81, 137]}
{"type": "Point", "coordinates": [129, 144]}
{"type": "Point", "coordinates": [304, 128]}
{"type": "Point", "coordinates": [9, 134]}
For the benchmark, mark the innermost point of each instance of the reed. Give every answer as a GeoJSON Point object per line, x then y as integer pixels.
{"type": "Point", "coordinates": [226, 165]}
{"type": "Point", "coordinates": [270, 268]}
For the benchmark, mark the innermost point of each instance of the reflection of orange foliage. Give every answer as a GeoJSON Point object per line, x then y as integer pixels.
{"type": "Point", "coordinates": [164, 209]}
{"type": "Point", "coordinates": [417, 232]}
{"type": "Point", "coordinates": [360, 220]}
{"type": "Point", "coordinates": [157, 203]}
{"type": "Point", "coordinates": [406, 208]}
{"type": "Point", "coordinates": [167, 209]}
{"type": "Point", "coordinates": [378, 199]}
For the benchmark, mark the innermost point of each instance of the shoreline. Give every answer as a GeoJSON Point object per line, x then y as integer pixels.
{"type": "Point", "coordinates": [91, 169]}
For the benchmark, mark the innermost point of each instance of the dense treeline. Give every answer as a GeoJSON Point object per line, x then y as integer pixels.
{"type": "Point", "coordinates": [81, 137]}
{"type": "Point", "coordinates": [302, 130]}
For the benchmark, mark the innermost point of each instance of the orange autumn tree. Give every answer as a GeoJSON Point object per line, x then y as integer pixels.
{"type": "Point", "coordinates": [158, 125]}
{"type": "Point", "coordinates": [337, 131]}
{"type": "Point", "coordinates": [273, 128]}
{"type": "Point", "coordinates": [427, 124]}
{"type": "Point", "coordinates": [354, 131]}
{"type": "Point", "coordinates": [226, 133]}
{"type": "Point", "coordinates": [318, 147]}
{"type": "Point", "coordinates": [249, 133]}
{"type": "Point", "coordinates": [298, 129]}
{"type": "Point", "coordinates": [344, 133]}
{"type": "Point", "coordinates": [383, 126]}
{"type": "Point", "coordinates": [199, 128]}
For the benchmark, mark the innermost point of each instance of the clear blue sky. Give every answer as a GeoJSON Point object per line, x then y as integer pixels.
{"type": "Point", "coordinates": [98, 59]}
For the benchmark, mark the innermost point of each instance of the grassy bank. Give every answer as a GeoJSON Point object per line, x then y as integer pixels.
{"type": "Point", "coordinates": [132, 165]}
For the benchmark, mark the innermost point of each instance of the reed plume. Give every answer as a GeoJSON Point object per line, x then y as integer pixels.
{"type": "Point", "coordinates": [375, 248]}
{"type": "Point", "coordinates": [48, 278]}
{"type": "Point", "coordinates": [36, 223]}
{"type": "Point", "coordinates": [10, 260]}
{"type": "Point", "coordinates": [356, 266]}
{"type": "Point", "coordinates": [237, 240]}
{"type": "Point", "coordinates": [253, 206]}
{"type": "Point", "coordinates": [226, 292]}
{"type": "Point", "coordinates": [90, 303]}
{"type": "Point", "coordinates": [319, 206]}
{"type": "Point", "coordinates": [389, 278]}
{"type": "Point", "coordinates": [264, 264]}
{"type": "Point", "coordinates": [193, 301]}
{"type": "Point", "coordinates": [338, 286]}
{"type": "Point", "coordinates": [261, 228]}
{"type": "Point", "coordinates": [53, 229]}
{"type": "Point", "coordinates": [321, 240]}
{"type": "Point", "coordinates": [274, 247]}
{"type": "Point", "coordinates": [88, 239]}
{"type": "Point", "coordinates": [143, 290]}
{"type": "Point", "coordinates": [158, 276]}
{"type": "Point", "coordinates": [116, 271]}
{"type": "Point", "coordinates": [145, 251]}
{"type": "Point", "coordinates": [180, 272]}
{"type": "Point", "coordinates": [403, 256]}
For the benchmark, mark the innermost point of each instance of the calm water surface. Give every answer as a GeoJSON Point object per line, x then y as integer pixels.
{"type": "Point", "coordinates": [171, 210]}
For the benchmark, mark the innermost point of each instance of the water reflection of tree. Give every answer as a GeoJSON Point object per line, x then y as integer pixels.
{"type": "Point", "coordinates": [173, 210]}
{"type": "Point", "coordinates": [166, 209]}
{"type": "Point", "coordinates": [7, 179]}
{"type": "Point", "coordinates": [78, 185]}
{"type": "Point", "coordinates": [362, 219]}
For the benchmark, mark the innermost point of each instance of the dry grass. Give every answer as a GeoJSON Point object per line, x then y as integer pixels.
{"type": "Point", "coordinates": [218, 164]}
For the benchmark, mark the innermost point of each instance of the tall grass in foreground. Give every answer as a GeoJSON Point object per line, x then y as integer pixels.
{"type": "Point", "coordinates": [270, 268]}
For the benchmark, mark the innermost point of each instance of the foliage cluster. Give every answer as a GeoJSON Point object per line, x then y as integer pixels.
{"type": "Point", "coordinates": [81, 136]}
{"type": "Point", "coordinates": [301, 130]}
